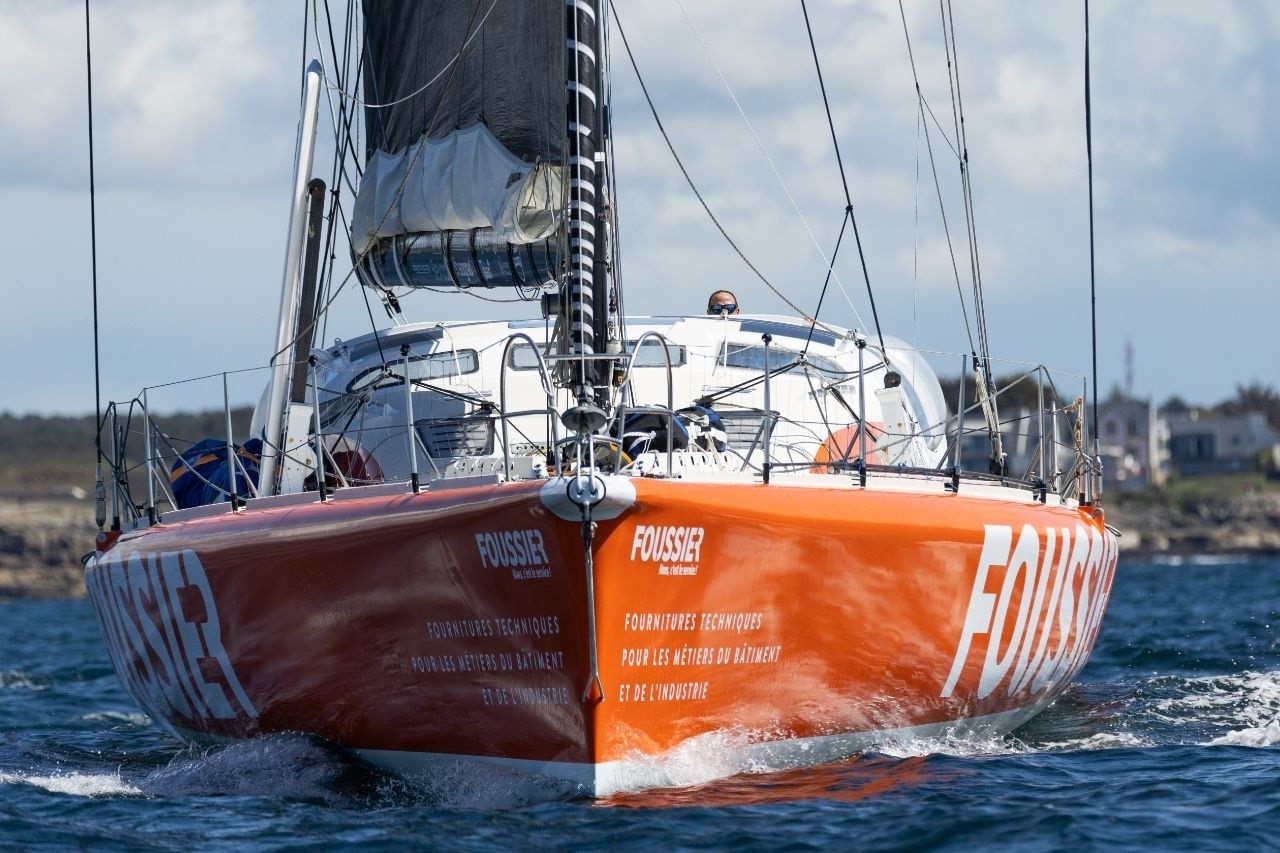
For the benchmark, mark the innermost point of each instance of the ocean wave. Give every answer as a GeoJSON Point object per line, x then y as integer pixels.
{"type": "Point", "coordinates": [1246, 704]}
{"type": "Point", "coordinates": [75, 784]}
{"type": "Point", "coordinates": [23, 681]}
{"type": "Point", "coordinates": [1268, 735]}
{"type": "Point", "coordinates": [131, 718]}
{"type": "Point", "coordinates": [1202, 559]}
{"type": "Point", "coordinates": [285, 765]}
{"type": "Point", "coordinates": [1100, 740]}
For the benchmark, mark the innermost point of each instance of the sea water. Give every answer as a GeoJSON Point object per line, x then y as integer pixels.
{"type": "Point", "coordinates": [1169, 739]}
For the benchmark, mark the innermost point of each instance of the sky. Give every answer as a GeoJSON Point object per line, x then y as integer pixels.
{"type": "Point", "coordinates": [195, 111]}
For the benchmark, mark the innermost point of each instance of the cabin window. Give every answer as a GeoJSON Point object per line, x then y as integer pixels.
{"type": "Point", "coordinates": [436, 365]}
{"type": "Point", "coordinates": [450, 438]}
{"type": "Point", "coordinates": [522, 356]}
{"type": "Point", "coordinates": [752, 358]}
{"type": "Point", "coordinates": [743, 427]}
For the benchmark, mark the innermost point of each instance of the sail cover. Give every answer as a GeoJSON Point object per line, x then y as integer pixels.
{"type": "Point", "coordinates": [464, 120]}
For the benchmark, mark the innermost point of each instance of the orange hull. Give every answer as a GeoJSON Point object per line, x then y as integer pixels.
{"type": "Point", "coordinates": [455, 624]}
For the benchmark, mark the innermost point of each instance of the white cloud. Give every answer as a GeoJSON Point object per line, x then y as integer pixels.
{"type": "Point", "coordinates": [182, 92]}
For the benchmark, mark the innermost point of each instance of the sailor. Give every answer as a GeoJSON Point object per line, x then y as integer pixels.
{"type": "Point", "coordinates": [722, 302]}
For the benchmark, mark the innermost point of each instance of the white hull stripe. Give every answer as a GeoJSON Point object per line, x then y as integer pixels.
{"type": "Point", "coordinates": [611, 777]}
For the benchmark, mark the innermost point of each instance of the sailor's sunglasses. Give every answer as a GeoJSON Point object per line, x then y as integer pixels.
{"type": "Point", "coordinates": [726, 308]}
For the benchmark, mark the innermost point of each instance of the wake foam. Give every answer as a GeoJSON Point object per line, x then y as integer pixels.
{"type": "Point", "coordinates": [127, 718]}
{"type": "Point", "coordinates": [1268, 735]}
{"type": "Point", "coordinates": [1246, 705]}
{"type": "Point", "coordinates": [712, 756]}
{"type": "Point", "coordinates": [17, 680]}
{"type": "Point", "coordinates": [75, 784]}
{"type": "Point", "coordinates": [1201, 559]}
{"type": "Point", "coordinates": [968, 745]}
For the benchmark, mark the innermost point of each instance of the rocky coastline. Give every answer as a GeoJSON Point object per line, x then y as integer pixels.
{"type": "Point", "coordinates": [1246, 524]}
{"type": "Point", "coordinates": [42, 541]}
{"type": "Point", "coordinates": [44, 538]}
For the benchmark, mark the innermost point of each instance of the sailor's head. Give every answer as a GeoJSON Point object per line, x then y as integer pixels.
{"type": "Point", "coordinates": [722, 302]}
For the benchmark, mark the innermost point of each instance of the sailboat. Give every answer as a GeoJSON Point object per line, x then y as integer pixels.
{"type": "Point", "coordinates": [571, 545]}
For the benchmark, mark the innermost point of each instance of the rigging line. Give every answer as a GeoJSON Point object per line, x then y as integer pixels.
{"type": "Point", "coordinates": [356, 99]}
{"type": "Point", "coordinates": [844, 220]}
{"type": "Point", "coordinates": [612, 188]}
{"type": "Point", "coordinates": [1093, 291]}
{"type": "Point", "coordinates": [93, 248]}
{"type": "Point", "coordinates": [464, 293]}
{"type": "Point", "coordinates": [936, 123]}
{"type": "Point", "coordinates": [915, 242]}
{"type": "Point", "coordinates": [321, 310]}
{"type": "Point", "coordinates": [334, 115]}
{"type": "Point", "coordinates": [336, 175]}
{"type": "Point", "coordinates": [344, 139]}
{"type": "Point", "coordinates": [786, 191]}
{"type": "Point", "coordinates": [580, 334]}
{"type": "Point", "coordinates": [344, 144]}
{"type": "Point", "coordinates": [373, 324]}
{"type": "Point", "coordinates": [342, 128]}
{"type": "Point", "coordinates": [844, 182]}
{"type": "Point", "coordinates": [937, 182]}
{"type": "Point", "coordinates": [953, 56]}
{"type": "Point", "coordinates": [688, 179]}
{"type": "Point", "coordinates": [962, 158]}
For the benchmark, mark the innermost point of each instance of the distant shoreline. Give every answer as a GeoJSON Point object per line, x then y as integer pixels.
{"type": "Point", "coordinates": [1243, 521]}
{"type": "Point", "coordinates": [43, 537]}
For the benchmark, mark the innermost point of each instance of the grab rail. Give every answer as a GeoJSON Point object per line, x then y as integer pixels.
{"type": "Point", "coordinates": [553, 434]}
{"type": "Point", "coordinates": [625, 388]}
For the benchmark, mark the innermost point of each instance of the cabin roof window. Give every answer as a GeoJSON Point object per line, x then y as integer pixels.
{"type": "Point", "coordinates": [522, 356]}
{"type": "Point", "coordinates": [752, 358]}
{"type": "Point", "coordinates": [435, 365]}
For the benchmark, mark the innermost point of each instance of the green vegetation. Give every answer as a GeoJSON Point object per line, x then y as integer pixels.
{"type": "Point", "coordinates": [1188, 493]}
{"type": "Point", "coordinates": [55, 455]}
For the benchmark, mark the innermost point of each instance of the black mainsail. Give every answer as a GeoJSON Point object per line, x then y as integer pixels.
{"type": "Point", "coordinates": [465, 143]}
{"type": "Point", "coordinates": [485, 161]}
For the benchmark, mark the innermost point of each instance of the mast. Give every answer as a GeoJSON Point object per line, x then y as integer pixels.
{"type": "Point", "coordinates": [587, 287]}
{"type": "Point", "coordinates": [287, 328]}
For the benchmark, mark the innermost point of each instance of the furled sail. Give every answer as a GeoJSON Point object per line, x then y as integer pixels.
{"type": "Point", "coordinates": [465, 134]}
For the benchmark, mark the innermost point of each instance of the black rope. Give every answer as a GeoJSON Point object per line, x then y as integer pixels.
{"type": "Point", "coordinates": [1093, 292]}
{"type": "Point", "coordinates": [688, 178]}
{"type": "Point", "coordinates": [345, 144]}
{"type": "Point", "coordinates": [844, 221]}
{"type": "Point", "coordinates": [844, 181]}
{"type": "Point", "coordinates": [971, 218]}
{"type": "Point", "coordinates": [922, 106]}
{"type": "Point", "coordinates": [93, 241]}
{"type": "Point", "coordinates": [966, 186]}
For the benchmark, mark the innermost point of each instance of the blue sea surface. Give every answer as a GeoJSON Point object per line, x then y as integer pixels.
{"type": "Point", "coordinates": [1170, 739]}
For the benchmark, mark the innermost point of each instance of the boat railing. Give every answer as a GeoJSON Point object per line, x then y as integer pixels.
{"type": "Point", "coordinates": [626, 391]}
{"type": "Point", "coordinates": [135, 486]}
{"type": "Point", "coordinates": [553, 432]}
{"type": "Point", "coordinates": [1039, 454]}
{"type": "Point", "coordinates": [610, 442]}
{"type": "Point", "coordinates": [1044, 438]}
{"type": "Point", "coordinates": [1045, 429]}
